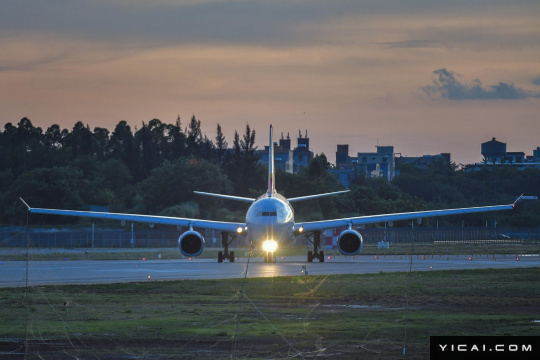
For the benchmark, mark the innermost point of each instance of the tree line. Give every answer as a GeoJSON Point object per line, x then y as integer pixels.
{"type": "Point", "coordinates": [154, 169]}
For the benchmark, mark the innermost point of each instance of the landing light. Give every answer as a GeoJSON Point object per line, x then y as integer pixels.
{"type": "Point", "coordinates": [270, 245]}
{"type": "Point", "coordinates": [301, 229]}
{"type": "Point", "coordinates": [239, 230]}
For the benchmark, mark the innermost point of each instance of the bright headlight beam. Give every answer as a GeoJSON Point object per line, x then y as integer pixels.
{"type": "Point", "coordinates": [270, 245]}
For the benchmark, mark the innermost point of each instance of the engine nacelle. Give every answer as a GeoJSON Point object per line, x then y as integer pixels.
{"type": "Point", "coordinates": [191, 243]}
{"type": "Point", "coordinates": [350, 242]}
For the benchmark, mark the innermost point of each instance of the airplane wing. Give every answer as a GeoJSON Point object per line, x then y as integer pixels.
{"type": "Point", "coordinates": [153, 219]}
{"type": "Point", "coordinates": [371, 219]}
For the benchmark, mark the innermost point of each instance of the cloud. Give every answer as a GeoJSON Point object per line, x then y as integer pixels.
{"type": "Point", "coordinates": [447, 85]}
{"type": "Point", "coordinates": [412, 44]}
{"type": "Point", "coordinates": [264, 22]}
{"type": "Point", "coordinates": [536, 81]}
{"type": "Point", "coordinates": [165, 22]}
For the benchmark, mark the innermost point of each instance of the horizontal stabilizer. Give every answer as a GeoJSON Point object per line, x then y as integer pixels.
{"type": "Point", "coordinates": [229, 197]}
{"type": "Point", "coordinates": [309, 197]}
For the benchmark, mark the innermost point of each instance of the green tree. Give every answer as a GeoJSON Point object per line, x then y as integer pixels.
{"type": "Point", "coordinates": [173, 183]}
{"type": "Point", "coordinates": [56, 152]}
{"type": "Point", "coordinates": [207, 149]}
{"type": "Point", "coordinates": [100, 143]}
{"type": "Point", "coordinates": [318, 166]}
{"type": "Point", "coordinates": [56, 187]}
{"type": "Point", "coordinates": [150, 141]}
{"type": "Point", "coordinates": [243, 168]}
{"type": "Point", "coordinates": [176, 141]}
{"type": "Point", "coordinates": [22, 146]}
{"type": "Point", "coordinates": [80, 140]}
{"type": "Point", "coordinates": [221, 146]}
{"type": "Point", "coordinates": [6, 161]}
{"type": "Point", "coordinates": [122, 147]}
{"type": "Point", "coordinates": [194, 137]}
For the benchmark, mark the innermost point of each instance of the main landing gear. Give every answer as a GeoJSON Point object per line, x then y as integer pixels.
{"type": "Point", "coordinates": [315, 239]}
{"type": "Point", "coordinates": [226, 242]}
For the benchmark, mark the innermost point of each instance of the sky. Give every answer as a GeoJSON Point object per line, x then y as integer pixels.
{"type": "Point", "coordinates": [426, 76]}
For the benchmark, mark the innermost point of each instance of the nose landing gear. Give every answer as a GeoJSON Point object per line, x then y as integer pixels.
{"type": "Point", "coordinates": [269, 257]}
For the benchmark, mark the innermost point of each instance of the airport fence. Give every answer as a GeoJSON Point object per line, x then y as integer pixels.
{"type": "Point", "coordinates": [477, 235]}
{"type": "Point", "coordinates": [154, 238]}
{"type": "Point", "coordinates": [98, 238]}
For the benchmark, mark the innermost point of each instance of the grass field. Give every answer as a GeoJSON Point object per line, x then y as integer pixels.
{"type": "Point", "coordinates": [342, 316]}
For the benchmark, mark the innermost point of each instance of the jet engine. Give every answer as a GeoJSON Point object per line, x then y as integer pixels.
{"type": "Point", "coordinates": [350, 242]}
{"type": "Point", "coordinates": [191, 243]}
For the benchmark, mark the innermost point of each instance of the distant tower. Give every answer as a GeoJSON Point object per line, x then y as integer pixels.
{"type": "Point", "coordinates": [302, 155]}
{"type": "Point", "coordinates": [303, 141]}
{"type": "Point", "coordinates": [285, 144]}
{"type": "Point", "coordinates": [494, 151]}
{"type": "Point", "coordinates": [536, 154]}
{"type": "Point", "coordinates": [342, 154]}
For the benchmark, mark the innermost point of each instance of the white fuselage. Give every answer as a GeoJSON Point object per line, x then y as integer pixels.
{"type": "Point", "coordinates": [270, 218]}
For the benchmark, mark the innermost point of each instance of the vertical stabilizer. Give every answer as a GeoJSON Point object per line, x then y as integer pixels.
{"type": "Point", "coordinates": [271, 169]}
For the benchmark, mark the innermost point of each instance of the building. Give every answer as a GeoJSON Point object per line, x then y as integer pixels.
{"type": "Point", "coordinates": [345, 165]}
{"type": "Point", "coordinates": [302, 155]}
{"type": "Point", "coordinates": [422, 162]}
{"type": "Point", "coordinates": [291, 161]}
{"type": "Point", "coordinates": [493, 151]}
{"type": "Point", "coordinates": [379, 164]}
{"type": "Point", "coordinates": [343, 175]}
{"type": "Point", "coordinates": [494, 154]}
{"type": "Point", "coordinates": [514, 157]}
{"type": "Point", "coordinates": [343, 160]}
{"type": "Point", "coordinates": [283, 155]}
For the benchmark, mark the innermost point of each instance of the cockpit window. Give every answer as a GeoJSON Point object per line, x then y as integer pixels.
{"type": "Point", "coordinates": [269, 213]}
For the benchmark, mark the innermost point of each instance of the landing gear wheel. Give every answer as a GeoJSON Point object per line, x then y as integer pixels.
{"type": "Point", "coordinates": [220, 257]}
{"type": "Point", "coordinates": [310, 256]}
{"type": "Point", "coordinates": [231, 256]}
{"type": "Point", "coordinates": [321, 256]}
{"type": "Point", "coordinates": [269, 258]}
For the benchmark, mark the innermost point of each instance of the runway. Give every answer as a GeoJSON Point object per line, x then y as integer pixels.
{"type": "Point", "coordinates": [13, 273]}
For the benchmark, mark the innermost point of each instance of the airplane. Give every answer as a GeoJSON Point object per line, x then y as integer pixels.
{"type": "Point", "coordinates": [270, 222]}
